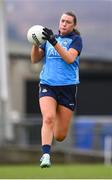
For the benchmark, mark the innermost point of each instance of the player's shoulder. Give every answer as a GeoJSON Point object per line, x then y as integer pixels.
{"type": "Point", "coordinates": [74, 36]}
{"type": "Point", "coordinates": [77, 39]}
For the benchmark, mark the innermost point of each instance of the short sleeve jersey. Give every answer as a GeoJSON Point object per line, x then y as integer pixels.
{"type": "Point", "coordinates": [55, 71]}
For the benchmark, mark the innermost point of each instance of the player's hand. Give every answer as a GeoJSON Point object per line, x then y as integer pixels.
{"type": "Point", "coordinates": [48, 35]}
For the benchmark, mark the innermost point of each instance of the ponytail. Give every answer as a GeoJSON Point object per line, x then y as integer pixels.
{"type": "Point", "coordinates": [76, 31]}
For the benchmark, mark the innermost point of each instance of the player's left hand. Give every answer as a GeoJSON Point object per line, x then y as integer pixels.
{"type": "Point", "coordinates": [48, 35]}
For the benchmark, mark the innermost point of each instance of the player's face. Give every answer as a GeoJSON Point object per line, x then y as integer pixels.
{"type": "Point", "coordinates": [66, 24]}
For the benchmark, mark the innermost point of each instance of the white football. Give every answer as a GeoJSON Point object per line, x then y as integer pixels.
{"type": "Point", "coordinates": [34, 35]}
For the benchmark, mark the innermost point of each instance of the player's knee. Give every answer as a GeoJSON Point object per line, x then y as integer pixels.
{"type": "Point", "coordinates": [48, 119]}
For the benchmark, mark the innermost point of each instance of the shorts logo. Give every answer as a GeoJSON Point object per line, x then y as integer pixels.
{"type": "Point", "coordinates": [71, 104]}
{"type": "Point", "coordinates": [44, 90]}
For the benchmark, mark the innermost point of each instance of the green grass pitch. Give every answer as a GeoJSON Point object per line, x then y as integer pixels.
{"type": "Point", "coordinates": [76, 171]}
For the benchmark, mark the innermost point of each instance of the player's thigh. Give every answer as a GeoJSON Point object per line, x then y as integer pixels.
{"type": "Point", "coordinates": [48, 106]}
{"type": "Point", "coordinates": [64, 117]}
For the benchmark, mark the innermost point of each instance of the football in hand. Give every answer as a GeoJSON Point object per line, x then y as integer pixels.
{"type": "Point", "coordinates": [34, 35]}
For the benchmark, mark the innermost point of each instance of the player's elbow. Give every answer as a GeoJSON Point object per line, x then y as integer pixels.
{"type": "Point", "coordinates": [70, 60]}
{"type": "Point", "coordinates": [71, 56]}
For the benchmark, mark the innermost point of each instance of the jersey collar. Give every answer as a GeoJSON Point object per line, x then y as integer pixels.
{"type": "Point", "coordinates": [67, 35]}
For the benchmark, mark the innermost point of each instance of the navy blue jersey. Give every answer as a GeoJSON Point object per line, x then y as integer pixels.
{"type": "Point", "coordinates": [55, 71]}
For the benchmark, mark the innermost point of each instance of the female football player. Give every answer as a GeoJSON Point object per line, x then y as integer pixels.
{"type": "Point", "coordinates": [59, 78]}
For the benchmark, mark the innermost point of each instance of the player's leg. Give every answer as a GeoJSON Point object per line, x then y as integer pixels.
{"type": "Point", "coordinates": [65, 109]}
{"type": "Point", "coordinates": [62, 122]}
{"type": "Point", "coordinates": [48, 109]}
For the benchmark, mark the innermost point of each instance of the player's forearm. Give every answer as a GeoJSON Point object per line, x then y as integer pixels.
{"type": "Point", "coordinates": [36, 54]}
{"type": "Point", "coordinates": [68, 56]}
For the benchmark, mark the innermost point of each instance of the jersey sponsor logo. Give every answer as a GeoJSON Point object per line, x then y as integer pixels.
{"type": "Point", "coordinates": [52, 52]}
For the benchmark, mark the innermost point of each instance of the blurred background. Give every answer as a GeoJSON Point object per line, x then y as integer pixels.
{"type": "Point", "coordinates": [90, 135]}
